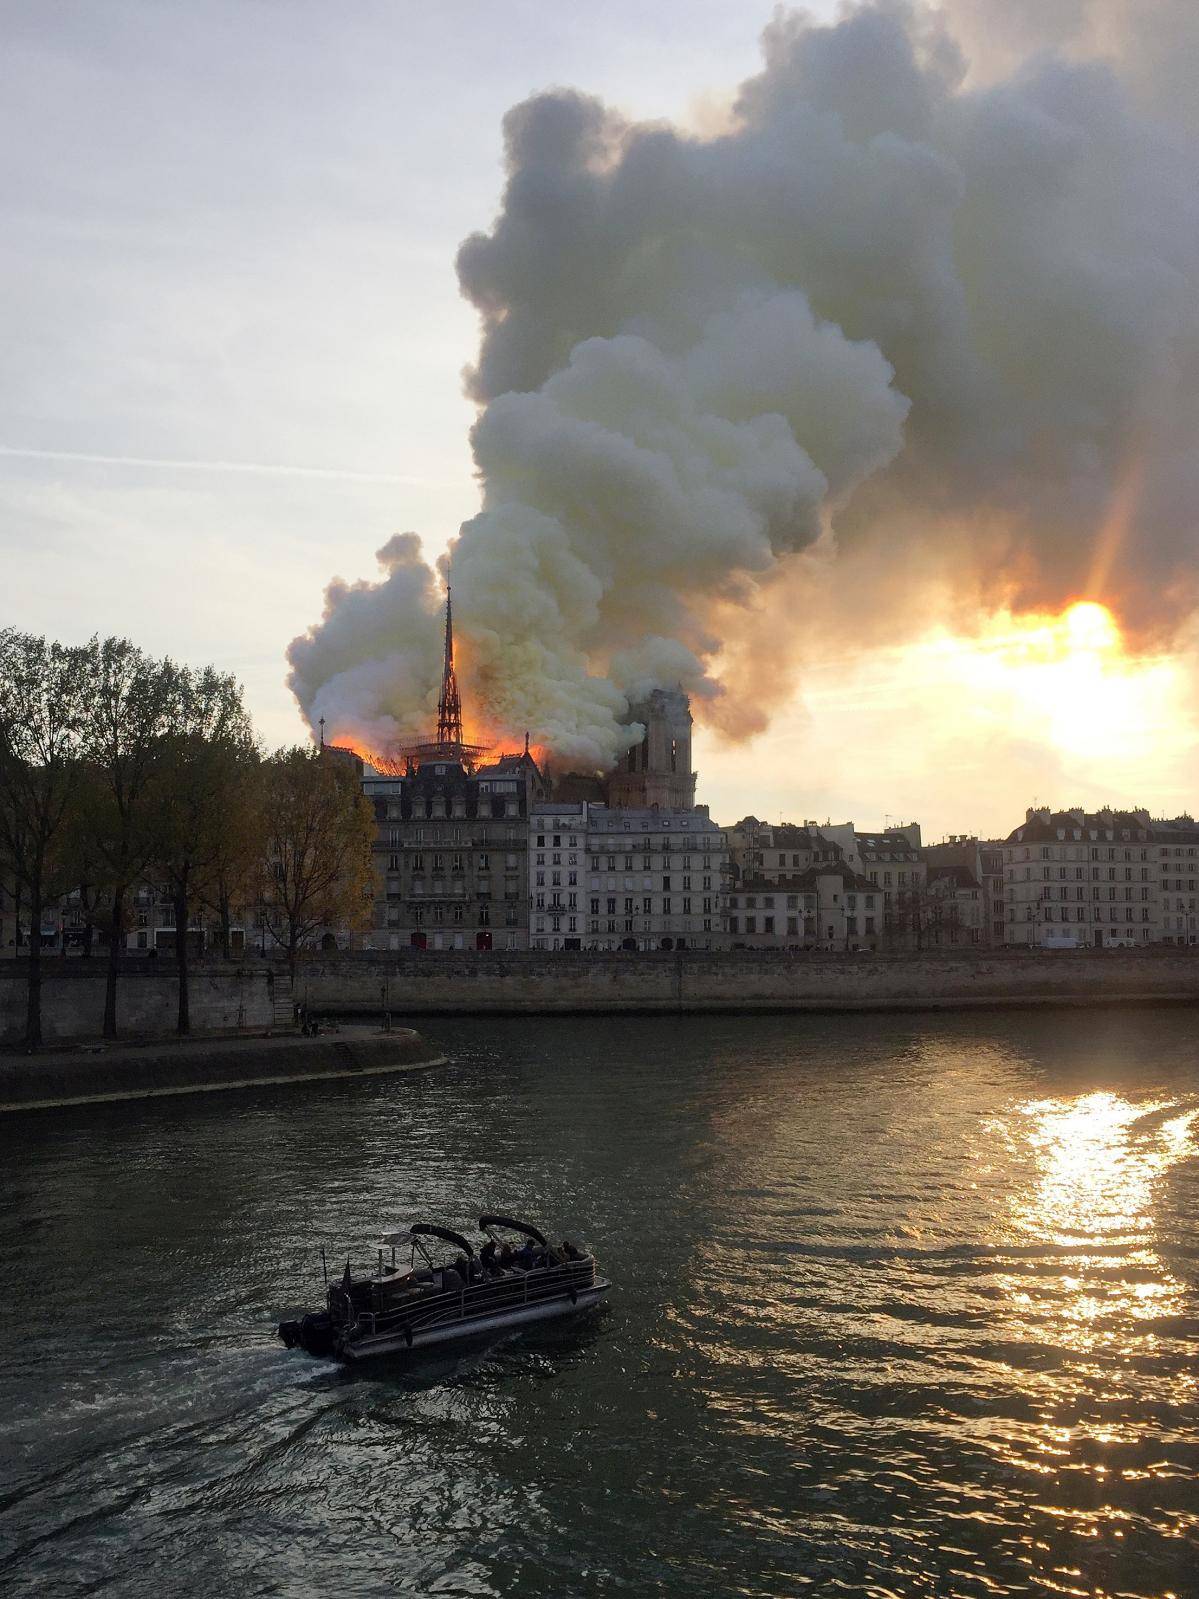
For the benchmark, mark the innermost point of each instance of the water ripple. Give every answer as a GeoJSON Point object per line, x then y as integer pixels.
{"type": "Point", "coordinates": [903, 1308]}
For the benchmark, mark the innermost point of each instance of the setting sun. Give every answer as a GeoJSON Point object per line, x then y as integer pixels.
{"type": "Point", "coordinates": [1064, 680]}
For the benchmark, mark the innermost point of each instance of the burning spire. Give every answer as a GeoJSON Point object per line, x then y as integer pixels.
{"type": "Point", "coordinates": [448, 744]}
{"type": "Point", "coordinates": [449, 705]}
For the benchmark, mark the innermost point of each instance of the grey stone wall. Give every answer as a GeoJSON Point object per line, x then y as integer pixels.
{"type": "Point", "coordinates": [498, 982]}
{"type": "Point", "coordinates": [226, 999]}
{"type": "Point", "coordinates": [222, 999]}
{"type": "Point", "coordinates": [173, 1067]}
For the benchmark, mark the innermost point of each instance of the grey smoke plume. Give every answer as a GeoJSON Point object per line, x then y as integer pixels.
{"type": "Point", "coordinates": [932, 290]}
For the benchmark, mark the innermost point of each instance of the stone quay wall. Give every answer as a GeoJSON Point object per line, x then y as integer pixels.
{"type": "Point", "coordinates": [222, 999]}
{"type": "Point", "coordinates": [91, 1074]}
{"type": "Point", "coordinates": [499, 982]}
{"type": "Point", "coordinates": [229, 999]}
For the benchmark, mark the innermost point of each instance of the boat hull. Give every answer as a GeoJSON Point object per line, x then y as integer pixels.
{"type": "Point", "coordinates": [513, 1319]}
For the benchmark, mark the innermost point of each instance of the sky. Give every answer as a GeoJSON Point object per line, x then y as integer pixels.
{"type": "Point", "coordinates": [232, 353]}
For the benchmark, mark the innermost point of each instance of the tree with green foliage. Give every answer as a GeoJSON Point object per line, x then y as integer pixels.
{"type": "Point", "coordinates": [319, 830]}
{"type": "Point", "coordinates": [135, 700]}
{"type": "Point", "coordinates": [231, 879]}
{"type": "Point", "coordinates": [202, 755]}
{"type": "Point", "coordinates": [45, 690]}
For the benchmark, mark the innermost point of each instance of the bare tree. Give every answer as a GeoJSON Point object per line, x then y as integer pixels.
{"type": "Point", "coordinates": [319, 829]}
{"type": "Point", "coordinates": [44, 690]}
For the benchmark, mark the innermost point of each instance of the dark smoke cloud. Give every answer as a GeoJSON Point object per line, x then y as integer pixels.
{"type": "Point", "coordinates": [930, 298]}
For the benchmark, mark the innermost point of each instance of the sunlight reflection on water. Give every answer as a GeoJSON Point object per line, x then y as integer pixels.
{"type": "Point", "coordinates": [901, 1306]}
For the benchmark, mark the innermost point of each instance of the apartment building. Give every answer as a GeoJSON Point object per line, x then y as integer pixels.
{"type": "Point", "coordinates": [991, 862]}
{"type": "Point", "coordinates": [606, 877]}
{"type": "Point", "coordinates": [893, 861]}
{"type": "Point", "coordinates": [829, 906]}
{"type": "Point", "coordinates": [953, 910]}
{"type": "Point", "coordinates": [956, 906]}
{"type": "Point", "coordinates": [451, 852]}
{"type": "Point", "coordinates": [1104, 878]}
{"type": "Point", "coordinates": [770, 851]}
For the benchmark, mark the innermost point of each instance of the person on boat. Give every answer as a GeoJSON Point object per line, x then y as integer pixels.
{"type": "Point", "coordinates": [487, 1257]}
{"type": "Point", "coordinates": [569, 1251]}
{"type": "Point", "coordinates": [452, 1279]}
{"type": "Point", "coordinates": [524, 1256]}
{"type": "Point", "coordinates": [507, 1257]}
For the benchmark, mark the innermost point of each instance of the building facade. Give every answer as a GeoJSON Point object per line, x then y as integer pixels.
{"type": "Point", "coordinates": [991, 860]}
{"type": "Point", "coordinates": [770, 851]}
{"type": "Point", "coordinates": [956, 901]}
{"type": "Point", "coordinates": [451, 853]}
{"type": "Point", "coordinates": [1102, 879]}
{"type": "Point", "coordinates": [954, 909]}
{"type": "Point", "coordinates": [603, 877]}
{"type": "Point", "coordinates": [893, 861]}
{"type": "Point", "coordinates": [829, 906]}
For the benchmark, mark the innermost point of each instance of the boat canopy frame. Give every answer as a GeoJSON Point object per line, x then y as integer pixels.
{"type": "Point", "coordinates": [426, 1229]}
{"type": "Point", "coordinates": [486, 1223]}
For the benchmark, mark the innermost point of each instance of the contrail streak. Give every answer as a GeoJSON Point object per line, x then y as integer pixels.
{"type": "Point", "coordinates": [336, 473]}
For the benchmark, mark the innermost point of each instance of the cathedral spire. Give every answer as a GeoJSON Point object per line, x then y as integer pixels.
{"type": "Point", "coordinates": [449, 705]}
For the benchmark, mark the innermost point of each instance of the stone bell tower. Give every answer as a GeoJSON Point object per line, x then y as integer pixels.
{"type": "Point", "coordinates": [657, 771]}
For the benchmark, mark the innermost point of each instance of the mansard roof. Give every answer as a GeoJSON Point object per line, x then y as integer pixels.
{"type": "Point", "coordinates": [1055, 827]}
{"type": "Point", "coordinates": [808, 882]}
{"type": "Point", "coordinates": [886, 846]}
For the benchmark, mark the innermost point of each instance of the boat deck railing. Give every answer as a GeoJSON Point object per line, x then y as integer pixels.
{"type": "Point", "coordinates": [513, 1289]}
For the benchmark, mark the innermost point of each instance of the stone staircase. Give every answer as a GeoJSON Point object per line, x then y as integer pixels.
{"type": "Point", "coordinates": [283, 1018]}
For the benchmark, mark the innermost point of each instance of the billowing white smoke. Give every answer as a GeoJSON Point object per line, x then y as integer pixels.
{"type": "Point", "coordinates": [370, 667]}
{"type": "Point", "coordinates": [892, 304]}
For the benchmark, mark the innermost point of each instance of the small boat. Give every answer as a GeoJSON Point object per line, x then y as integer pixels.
{"type": "Point", "coordinates": [428, 1306]}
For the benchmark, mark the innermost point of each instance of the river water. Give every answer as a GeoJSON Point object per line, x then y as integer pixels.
{"type": "Point", "coordinates": [902, 1306]}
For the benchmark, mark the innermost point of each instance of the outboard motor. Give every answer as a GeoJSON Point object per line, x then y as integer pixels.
{"type": "Point", "coordinates": [312, 1333]}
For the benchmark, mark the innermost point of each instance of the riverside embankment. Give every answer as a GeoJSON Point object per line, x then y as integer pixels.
{"type": "Point", "coordinates": [223, 998]}
{"type": "Point", "coordinates": [194, 1066]}
{"type": "Point", "coordinates": [503, 983]}
{"type": "Point", "coordinates": [228, 999]}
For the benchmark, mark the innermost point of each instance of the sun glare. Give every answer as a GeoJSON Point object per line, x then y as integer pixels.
{"type": "Point", "coordinates": [1064, 680]}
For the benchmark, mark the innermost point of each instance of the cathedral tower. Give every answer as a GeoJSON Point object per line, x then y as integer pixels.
{"type": "Point", "coordinates": [657, 771]}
